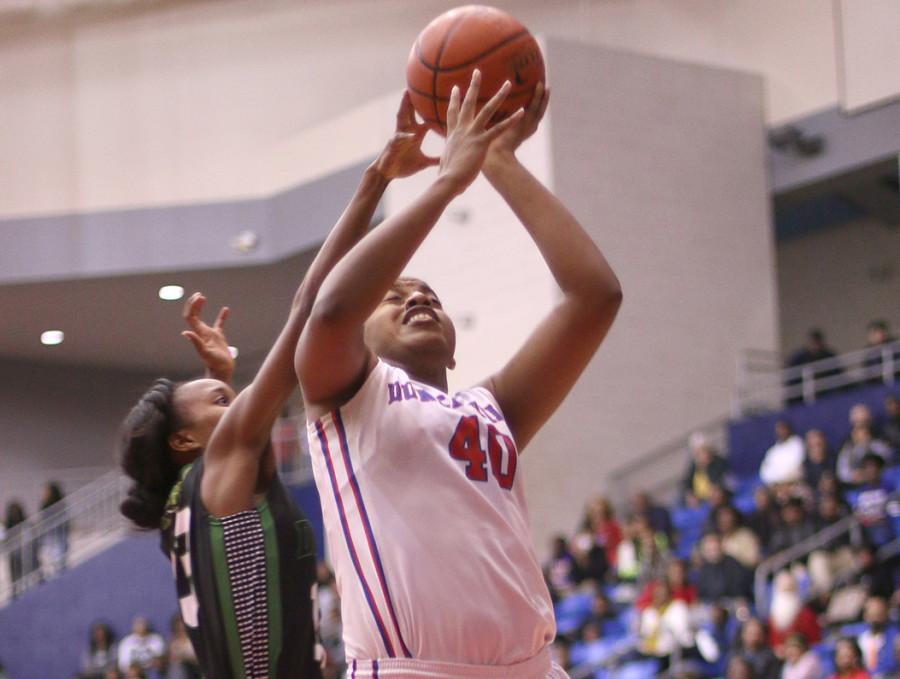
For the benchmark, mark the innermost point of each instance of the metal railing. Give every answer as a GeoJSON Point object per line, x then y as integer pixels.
{"type": "Point", "coordinates": [664, 465]}
{"type": "Point", "coordinates": [764, 384]}
{"type": "Point", "coordinates": [63, 535]}
{"type": "Point", "coordinates": [88, 520]}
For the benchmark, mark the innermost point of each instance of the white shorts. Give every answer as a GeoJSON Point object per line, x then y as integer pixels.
{"type": "Point", "coordinates": [538, 667]}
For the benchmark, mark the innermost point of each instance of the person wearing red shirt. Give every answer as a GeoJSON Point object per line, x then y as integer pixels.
{"type": "Point", "coordinates": [848, 660]}
{"type": "Point", "coordinates": [788, 615]}
{"type": "Point", "coordinates": [680, 588]}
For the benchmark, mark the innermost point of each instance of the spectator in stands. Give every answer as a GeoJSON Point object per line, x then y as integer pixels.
{"type": "Point", "coordinates": [860, 444]}
{"type": "Point", "coordinates": [795, 526]}
{"type": "Point", "coordinates": [878, 334]}
{"type": "Point", "coordinates": [602, 619]}
{"type": "Point", "coordinates": [891, 429]}
{"type": "Point", "coordinates": [664, 626]}
{"type": "Point", "coordinates": [737, 541]}
{"type": "Point", "coordinates": [873, 578]}
{"type": "Point", "coordinates": [679, 586]}
{"type": "Point", "coordinates": [799, 661]}
{"type": "Point", "coordinates": [706, 468]}
{"type": "Point", "coordinates": [848, 660]}
{"type": "Point", "coordinates": [752, 647]}
{"type": "Point", "coordinates": [789, 615]}
{"type": "Point", "coordinates": [182, 660]}
{"type": "Point", "coordinates": [590, 559]}
{"type": "Point", "coordinates": [55, 541]}
{"type": "Point", "coordinates": [330, 623]}
{"type": "Point", "coordinates": [600, 522]}
{"type": "Point", "coordinates": [142, 647]}
{"type": "Point", "coordinates": [819, 458]}
{"type": "Point", "coordinates": [559, 569]}
{"type": "Point", "coordinates": [834, 558]}
{"type": "Point", "coordinates": [875, 502]}
{"type": "Point", "coordinates": [815, 349]}
{"type": "Point", "coordinates": [739, 668]}
{"type": "Point", "coordinates": [24, 557]}
{"type": "Point", "coordinates": [559, 650]}
{"type": "Point", "coordinates": [783, 462]}
{"type": "Point", "coordinates": [657, 516]}
{"type": "Point", "coordinates": [641, 556]}
{"type": "Point", "coordinates": [764, 518]}
{"type": "Point", "coordinates": [101, 653]}
{"type": "Point", "coordinates": [720, 576]}
{"type": "Point", "coordinates": [880, 641]}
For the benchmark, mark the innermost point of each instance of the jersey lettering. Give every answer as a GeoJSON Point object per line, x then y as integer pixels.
{"type": "Point", "coordinates": [465, 445]}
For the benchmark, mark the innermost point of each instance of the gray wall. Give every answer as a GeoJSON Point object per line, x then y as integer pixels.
{"type": "Point", "coordinates": [54, 417]}
{"type": "Point", "coordinates": [664, 163]}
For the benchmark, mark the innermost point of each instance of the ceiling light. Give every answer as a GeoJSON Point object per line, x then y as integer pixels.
{"type": "Point", "coordinates": [233, 351]}
{"type": "Point", "coordinates": [171, 293]}
{"type": "Point", "coordinates": [52, 337]}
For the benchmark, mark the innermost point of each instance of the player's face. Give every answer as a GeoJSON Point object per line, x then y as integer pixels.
{"type": "Point", "coordinates": [200, 405]}
{"type": "Point", "coordinates": [410, 328]}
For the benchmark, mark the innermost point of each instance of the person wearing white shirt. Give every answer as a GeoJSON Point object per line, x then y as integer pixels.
{"type": "Point", "coordinates": [783, 462]}
{"type": "Point", "coordinates": [142, 647]}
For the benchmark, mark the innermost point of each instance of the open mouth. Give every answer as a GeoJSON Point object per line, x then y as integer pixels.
{"type": "Point", "coordinates": [419, 316]}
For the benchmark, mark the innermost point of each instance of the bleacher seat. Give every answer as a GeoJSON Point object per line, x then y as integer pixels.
{"type": "Point", "coordinates": [641, 669]}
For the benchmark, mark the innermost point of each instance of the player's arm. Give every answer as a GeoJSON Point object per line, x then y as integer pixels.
{"type": "Point", "coordinates": [535, 381]}
{"type": "Point", "coordinates": [332, 359]}
{"type": "Point", "coordinates": [242, 437]}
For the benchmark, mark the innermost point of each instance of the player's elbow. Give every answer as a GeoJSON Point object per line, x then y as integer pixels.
{"type": "Point", "coordinates": [606, 297]}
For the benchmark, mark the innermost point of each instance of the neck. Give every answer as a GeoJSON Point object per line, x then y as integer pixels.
{"type": "Point", "coordinates": [433, 378]}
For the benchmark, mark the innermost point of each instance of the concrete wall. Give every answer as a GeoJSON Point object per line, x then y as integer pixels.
{"type": "Point", "coordinates": [839, 280]}
{"type": "Point", "coordinates": [58, 417]}
{"type": "Point", "coordinates": [665, 166]}
{"type": "Point", "coordinates": [196, 102]}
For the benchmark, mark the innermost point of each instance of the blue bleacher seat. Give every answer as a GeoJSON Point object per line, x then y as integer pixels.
{"type": "Point", "coordinates": [825, 651]}
{"type": "Point", "coordinates": [641, 669]}
{"type": "Point", "coordinates": [574, 605]}
{"type": "Point", "coordinates": [854, 629]}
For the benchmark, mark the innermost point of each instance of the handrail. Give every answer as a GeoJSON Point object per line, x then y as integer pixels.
{"type": "Point", "coordinates": [91, 514]}
{"type": "Point", "coordinates": [764, 381]}
{"type": "Point", "coordinates": [620, 478]}
{"type": "Point", "coordinates": [848, 524]}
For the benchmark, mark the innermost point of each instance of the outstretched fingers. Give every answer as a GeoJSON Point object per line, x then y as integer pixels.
{"type": "Point", "coordinates": [192, 308]}
{"type": "Point", "coordinates": [453, 110]}
{"type": "Point", "coordinates": [489, 109]}
{"type": "Point", "coordinates": [222, 317]}
{"type": "Point", "coordinates": [467, 111]}
{"type": "Point", "coordinates": [504, 125]}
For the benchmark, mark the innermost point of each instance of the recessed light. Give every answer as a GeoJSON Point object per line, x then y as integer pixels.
{"type": "Point", "coordinates": [52, 337]}
{"type": "Point", "coordinates": [233, 351]}
{"type": "Point", "coordinates": [171, 293]}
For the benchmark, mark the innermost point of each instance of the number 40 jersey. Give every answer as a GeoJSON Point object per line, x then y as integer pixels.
{"type": "Point", "coordinates": [427, 527]}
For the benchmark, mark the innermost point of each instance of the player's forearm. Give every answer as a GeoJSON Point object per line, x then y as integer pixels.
{"type": "Point", "coordinates": [359, 281]}
{"type": "Point", "coordinates": [276, 379]}
{"type": "Point", "coordinates": [578, 266]}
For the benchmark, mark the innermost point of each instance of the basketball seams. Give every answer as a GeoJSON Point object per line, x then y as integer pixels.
{"type": "Point", "coordinates": [484, 55]}
{"type": "Point", "coordinates": [440, 52]}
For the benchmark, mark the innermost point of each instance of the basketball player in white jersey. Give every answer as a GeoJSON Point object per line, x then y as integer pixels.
{"type": "Point", "coordinates": [424, 510]}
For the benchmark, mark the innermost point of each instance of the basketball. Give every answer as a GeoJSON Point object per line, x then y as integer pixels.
{"type": "Point", "coordinates": [461, 40]}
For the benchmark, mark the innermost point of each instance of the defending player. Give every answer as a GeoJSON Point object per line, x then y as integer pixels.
{"type": "Point", "coordinates": [425, 513]}
{"type": "Point", "coordinates": [201, 459]}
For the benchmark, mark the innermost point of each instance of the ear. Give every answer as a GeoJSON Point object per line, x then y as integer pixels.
{"type": "Point", "coordinates": [183, 441]}
{"type": "Point", "coordinates": [451, 364]}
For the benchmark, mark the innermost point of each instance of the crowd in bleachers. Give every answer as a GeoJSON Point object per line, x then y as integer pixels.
{"type": "Point", "coordinates": [34, 558]}
{"type": "Point", "coordinates": [671, 589]}
{"type": "Point", "coordinates": [142, 654]}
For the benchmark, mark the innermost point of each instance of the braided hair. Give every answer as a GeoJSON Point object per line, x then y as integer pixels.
{"type": "Point", "coordinates": [145, 455]}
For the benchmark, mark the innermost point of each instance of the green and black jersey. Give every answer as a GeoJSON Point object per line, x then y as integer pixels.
{"type": "Point", "coordinates": [245, 583]}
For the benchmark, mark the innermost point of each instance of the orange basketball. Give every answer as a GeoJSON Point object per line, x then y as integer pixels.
{"type": "Point", "coordinates": [458, 42]}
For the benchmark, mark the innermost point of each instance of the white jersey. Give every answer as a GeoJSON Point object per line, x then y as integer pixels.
{"type": "Point", "coordinates": [427, 526]}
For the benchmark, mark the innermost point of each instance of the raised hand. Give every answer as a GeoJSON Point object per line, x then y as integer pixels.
{"type": "Point", "coordinates": [209, 341]}
{"type": "Point", "coordinates": [507, 143]}
{"type": "Point", "coordinates": [468, 137]}
{"type": "Point", "coordinates": [403, 154]}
